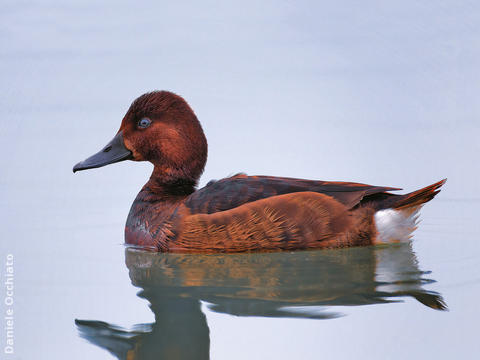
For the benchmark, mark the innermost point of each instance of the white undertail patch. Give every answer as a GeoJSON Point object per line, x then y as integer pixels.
{"type": "Point", "coordinates": [396, 225]}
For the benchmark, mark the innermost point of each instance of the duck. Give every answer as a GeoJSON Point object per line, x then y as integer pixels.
{"type": "Point", "coordinates": [241, 213]}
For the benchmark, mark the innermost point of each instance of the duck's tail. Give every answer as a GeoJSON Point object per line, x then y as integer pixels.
{"type": "Point", "coordinates": [399, 221]}
{"type": "Point", "coordinates": [419, 197]}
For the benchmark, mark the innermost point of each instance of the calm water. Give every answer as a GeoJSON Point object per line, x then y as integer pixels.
{"type": "Point", "coordinates": [301, 285]}
{"type": "Point", "coordinates": [358, 91]}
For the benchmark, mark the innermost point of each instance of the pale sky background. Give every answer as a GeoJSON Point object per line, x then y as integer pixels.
{"type": "Point", "coordinates": [380, 92]}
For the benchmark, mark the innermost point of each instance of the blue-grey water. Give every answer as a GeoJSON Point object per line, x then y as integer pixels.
{"type": "Point", "coordinates": [377, 92]}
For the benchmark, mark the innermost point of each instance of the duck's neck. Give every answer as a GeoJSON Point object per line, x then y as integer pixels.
{"type": "Point", "coordinates": [164, 185]}
{"type": "Point", "coordinates": [168, 191]}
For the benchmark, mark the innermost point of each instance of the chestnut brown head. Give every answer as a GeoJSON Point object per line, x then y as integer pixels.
{"type": "Point", "coordinates": [159, 127]}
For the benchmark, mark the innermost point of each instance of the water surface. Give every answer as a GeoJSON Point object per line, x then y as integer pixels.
{"type": "Point", "coordinates": [298, 285]}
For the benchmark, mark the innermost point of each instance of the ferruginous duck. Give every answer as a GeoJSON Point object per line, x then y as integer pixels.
{"type": "Point", "coordinates": [240, 213]}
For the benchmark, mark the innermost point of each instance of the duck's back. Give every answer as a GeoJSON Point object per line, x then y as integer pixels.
{"type": "Point", "coordinates": [240, 189]}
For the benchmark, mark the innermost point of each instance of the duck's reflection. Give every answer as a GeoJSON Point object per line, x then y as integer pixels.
{"type": "Point", "coordinates": [300, 284]}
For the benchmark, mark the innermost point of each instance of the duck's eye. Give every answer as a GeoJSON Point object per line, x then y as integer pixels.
{"type": "Point", "coordinates": [144, 123]}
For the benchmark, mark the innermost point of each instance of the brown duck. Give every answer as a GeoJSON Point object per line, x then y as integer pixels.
{"type": "Point", "coordinates": [240, 213]}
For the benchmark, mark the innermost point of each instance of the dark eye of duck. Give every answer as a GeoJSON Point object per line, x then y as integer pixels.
{"type": "Point", "coordinates": [144, 123]}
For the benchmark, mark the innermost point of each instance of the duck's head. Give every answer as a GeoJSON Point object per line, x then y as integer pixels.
{"type": "Point", "coordinates": [159, 127]}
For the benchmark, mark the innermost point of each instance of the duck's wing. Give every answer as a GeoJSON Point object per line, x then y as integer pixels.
{"type": "Point", "coordinates": [240, 189]}
{"type": "Point", "coordinates": [301, 220]}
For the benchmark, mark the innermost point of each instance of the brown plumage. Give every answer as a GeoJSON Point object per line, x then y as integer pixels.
{"type": "Point", "coordinates": [237, 214]}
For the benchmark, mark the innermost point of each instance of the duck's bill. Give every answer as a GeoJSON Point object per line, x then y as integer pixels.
{"type": "Point", "coordinates": [113, 152]}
